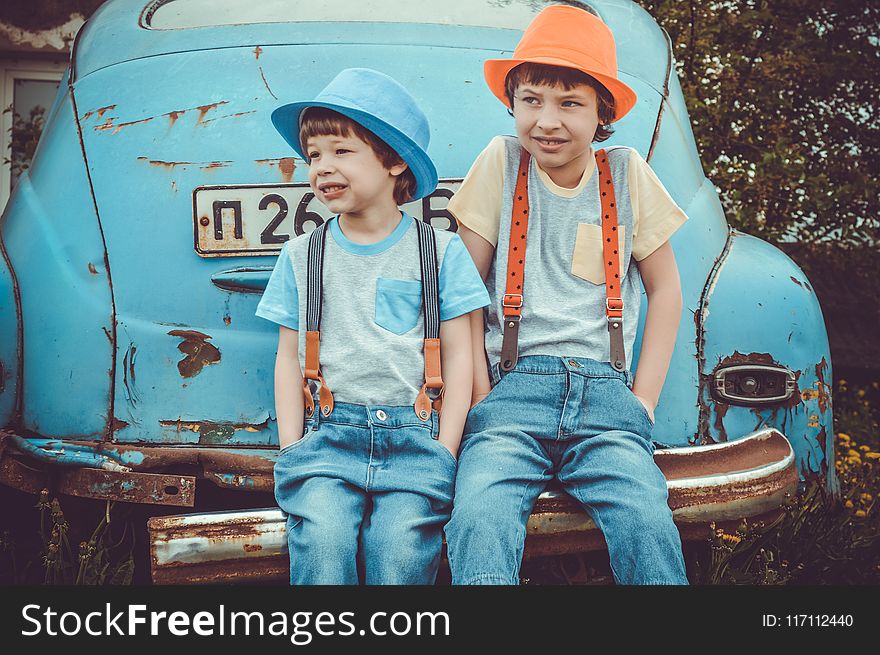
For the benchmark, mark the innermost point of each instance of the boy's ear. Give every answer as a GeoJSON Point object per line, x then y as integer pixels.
{"type": "Point", "coordinates": [398, 169]}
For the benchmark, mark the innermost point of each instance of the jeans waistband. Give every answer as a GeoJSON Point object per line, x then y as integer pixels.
{"type": "Point", "coordinates": [366, 416]}
{"type": "Point", "coordinates": [551, 364]}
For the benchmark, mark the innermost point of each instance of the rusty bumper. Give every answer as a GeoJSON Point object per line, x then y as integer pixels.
{"type": "Point", "coordinates": [722, 483]}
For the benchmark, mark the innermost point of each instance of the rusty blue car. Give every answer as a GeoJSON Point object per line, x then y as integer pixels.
{"type": "Point", "coordinates": [136, 247]}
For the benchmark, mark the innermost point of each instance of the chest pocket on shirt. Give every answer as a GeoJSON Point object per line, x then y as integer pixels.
{"type": "Point", "coordinates": [587, 260]}
{"type": "Point", "coordinates": [398, 304]}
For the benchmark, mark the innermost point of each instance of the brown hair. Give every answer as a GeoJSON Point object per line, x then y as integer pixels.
{"type": "Point", "coordinates": [320, 121]}
{"type": "Point", "coordinates": [567, 78]}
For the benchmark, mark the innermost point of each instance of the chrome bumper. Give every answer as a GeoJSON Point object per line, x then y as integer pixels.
{"type": "Point", "coordinates": [721, 483]}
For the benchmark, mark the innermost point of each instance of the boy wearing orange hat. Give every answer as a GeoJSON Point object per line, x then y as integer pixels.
{"type": "Point", "coordinates": [563, 235]}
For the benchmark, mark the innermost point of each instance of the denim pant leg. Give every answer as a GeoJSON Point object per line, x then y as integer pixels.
{"type": "Point", "coordinates": [501, 472]}
{"type": "Point", "coordinates": [324, 518]}
{"type": "Point", "coordinates": [613, 475]}
{"type": "Point", "coordinates": [402, 539]}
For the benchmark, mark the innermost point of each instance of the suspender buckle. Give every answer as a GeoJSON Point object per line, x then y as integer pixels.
{"type": "Point", "coordinates": [614, 304]}
{"type": "Point", "coordinates": [512, 300]}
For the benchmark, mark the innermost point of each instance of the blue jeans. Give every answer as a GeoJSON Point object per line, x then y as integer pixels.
{"type": "Point", "coordinates": [578, 420]}
{"type": "Point", "coordinates": [368, 481]}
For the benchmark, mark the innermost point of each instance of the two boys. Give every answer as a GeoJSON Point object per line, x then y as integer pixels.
{"type": "Point", "coordinates": [559, 332]}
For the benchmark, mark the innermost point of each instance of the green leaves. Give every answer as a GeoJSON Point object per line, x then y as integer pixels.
{"type": "Point", "coordinates": [782, 97]}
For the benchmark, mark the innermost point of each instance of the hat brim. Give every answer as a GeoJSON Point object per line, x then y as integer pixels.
{"type": "Point", "coordinates": [495, 71]}
{"type": "Point", "coordinates": [286, 120]}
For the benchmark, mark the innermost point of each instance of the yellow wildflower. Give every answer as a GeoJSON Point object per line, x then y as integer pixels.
{"type": "Point", "coordinates": [730, 538]}
{"type": "Point", "coordinates": [872, 455]}
{"type": "Point", "coordinates": [848, 504]}
{"type": "Point", "coordinates": [865, 449]}
{"type": "Point", "coordinates": [853, 454]}
{"type": "Point", "coordinates": [861, 393]}
{"type": "Point", "coordinates": [843, 436]}
{"type": "Point", "coordinates": [860, 514]}
{"type": "Point", "coordinates": [867, 498]}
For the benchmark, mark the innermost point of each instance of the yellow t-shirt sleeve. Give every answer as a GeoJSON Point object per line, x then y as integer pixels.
{"type": "Point", "coordinates": [656, 217]}
{"type": "Point", "coordinates": [477, 203]}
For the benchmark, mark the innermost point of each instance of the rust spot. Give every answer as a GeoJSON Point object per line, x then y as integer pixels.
{"type": "Point", "coordinates": [215, 164]}
{"type": "Point", "coordinates": [809, 394]}
{"type": "Point", "coordinates": [118, 424]}
{"type": "Point", "coordinates": [263, 75]}
{"type": "Point", "coordinates": [87, 115]}
{"type": "Point", "coordinates": [173, 116]}
{"type": "Point", "coordinates": [92, 269]}
{"type": "Point", "coordinates": [106, 125]}
{"type": "Point", "coordinates": [199, 353]}
{"type": "Point", "coordinates": [252, 548]}
{"type": "Point", "coordinates": [257, 51]}
{"type": "Point", "coordinates": [824, 396]}
{"type": "Point", "coordinates": [204, 109]}
{"type": "Point", "coordinates": [809, 288]}
{"type": "Point", "coordinates": [227, 320]}
{"type": "Point", "coordinates": [102, 110]}
{"type": "Point", "coordinates": [109, 336]}
{"type": "Point", "coordinates": [174, 186]}
{"type": "Point", "coordinates": [287, 166]}
{"type": "Point", "coordinates": [796, 281]}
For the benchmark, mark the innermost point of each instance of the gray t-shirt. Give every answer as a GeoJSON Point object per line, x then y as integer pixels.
{"type": "Point", "coordinates": [372, 327]}
{"type": "Point", "coordinates": [564, 289]}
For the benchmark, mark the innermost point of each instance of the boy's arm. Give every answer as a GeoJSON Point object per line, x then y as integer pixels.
{"type": "Point", "coordinates": [289, 402]}
{"type": "Point", "coordinates": [456, 362]}
{"type": "Point", "coordinates": [663, 286]}
{"type": "Point", "coordinates": [481, 252]}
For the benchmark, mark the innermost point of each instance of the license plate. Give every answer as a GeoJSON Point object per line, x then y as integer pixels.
{"type": "Point", "coordinates": [256, 219]}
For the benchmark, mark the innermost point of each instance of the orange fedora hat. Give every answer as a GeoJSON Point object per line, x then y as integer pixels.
{"type": "Point", "coordinates": [562, 35]}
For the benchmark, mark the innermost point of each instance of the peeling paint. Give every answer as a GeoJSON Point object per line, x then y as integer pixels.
{"type": "Point", "coordinates": [128, 375]}
{"type": "Point", "coordinates": [227, 320]}
{"type": "Point", "coordinates": [720, 411]}
{"type": "Point", "coordinates": [199, 353]}
{"type": "Point", "coordinates": [100, 112]}
{"type": "Point", "coordinates": [92, 269]}
{"type": "Point", "coordinates": [119, 424]}
{"type": "Point", "coordinates": [171, 164]}
{"type": "Point", "coordinates": [796, 281]}
{"type": "Point", "coordinates": [204, 109]}
{"type": "Point", "coordinates": [108, 124]}
{"type": "Point", "coordinates": [237, 115]}
{"type": "Point", "coordinates": [823, 388]}
{"type": "Point", "coordinates": [263, 75]}
{"type": "Point", "coordinates": [257, 52]}
{"type": "Point", "coordinates": [213, 432]}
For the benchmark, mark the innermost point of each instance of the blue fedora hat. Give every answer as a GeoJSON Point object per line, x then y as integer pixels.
{"type": "Point", "coordinates": [381, 105]}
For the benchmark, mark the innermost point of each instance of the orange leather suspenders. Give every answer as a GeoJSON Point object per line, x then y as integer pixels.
{"type": "Point", "coordinates": [430, 306]}
{"type": "Point", "coordinates": [512, 301]}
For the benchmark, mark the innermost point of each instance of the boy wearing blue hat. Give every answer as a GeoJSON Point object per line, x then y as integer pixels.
{"type": "Point", "coordinates": [367, 466]}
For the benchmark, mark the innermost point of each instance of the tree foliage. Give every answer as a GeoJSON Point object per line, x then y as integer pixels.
{"type": "Point", "coordinates": [783, 100]}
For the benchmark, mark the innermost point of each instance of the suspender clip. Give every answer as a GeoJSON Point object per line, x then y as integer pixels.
{"type": "Point", "coordinates": [512, 300]}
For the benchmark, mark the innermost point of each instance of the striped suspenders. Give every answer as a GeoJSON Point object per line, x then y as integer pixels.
{"type": "Point", "coordinates": [433, 385]}
{"type": "Point", "coordinates": [512, 301]}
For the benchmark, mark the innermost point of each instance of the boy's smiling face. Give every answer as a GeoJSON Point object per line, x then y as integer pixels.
{"type": "Point", "coordinates": [347, 176]}
{"type": "Point", "coordinates": [556, 126]}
